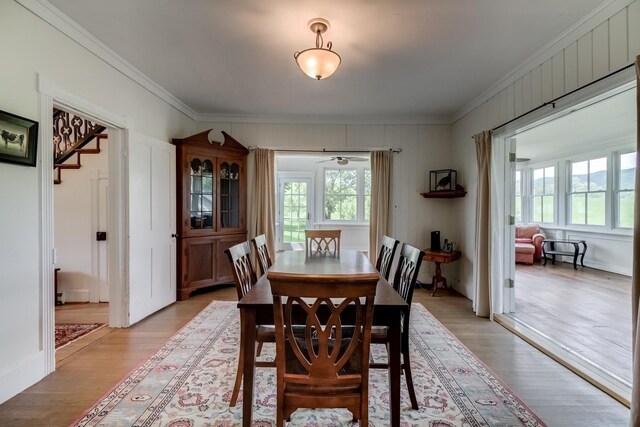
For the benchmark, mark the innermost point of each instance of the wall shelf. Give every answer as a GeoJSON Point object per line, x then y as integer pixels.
{"type": "Point", "coordinates": [444, 194]}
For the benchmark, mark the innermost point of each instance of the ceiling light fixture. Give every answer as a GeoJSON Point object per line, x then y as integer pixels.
{"type": "Point", "coordinates": [318, 63]}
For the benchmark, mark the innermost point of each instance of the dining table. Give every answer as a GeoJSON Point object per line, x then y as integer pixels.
{"type": "Point", "coordinates": [343, 266]}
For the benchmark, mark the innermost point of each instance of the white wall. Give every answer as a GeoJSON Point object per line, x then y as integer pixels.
{"type": "Point", "coordinates": [583, 56]}
{"type": "Point", "coordinates": [75, 222]}
{"type": "Point", "coordinates": [424, 148]}
{"type": "Point", "coordinates": [35, 47]}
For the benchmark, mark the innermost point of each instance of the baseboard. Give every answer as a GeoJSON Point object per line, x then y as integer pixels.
{"type": "Point", "coordinates": [21, 375]}
{"type": "Point", "coordinates": [597, 375]}
{"type": "Point", "coordinates": [75, 296]}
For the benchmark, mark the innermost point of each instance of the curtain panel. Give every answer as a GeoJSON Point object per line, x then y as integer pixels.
{"type": "Point", "coordinates": [262, 204]}
{"type": "Point", "coordinates": [380, 191]}
{"type": "Point", "coordinates": [481, 257]}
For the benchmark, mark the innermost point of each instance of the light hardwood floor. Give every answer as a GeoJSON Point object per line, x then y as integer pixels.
{"type": "Point", "coordinates": [587, 310]}
{"type": "Point", "coordinates": [558, 396]}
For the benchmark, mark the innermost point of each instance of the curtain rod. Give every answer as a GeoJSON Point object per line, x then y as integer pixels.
{"type": "Point", "coordinates": [553, 101]}
{"type": "Point", "coordinates": [324, 150]}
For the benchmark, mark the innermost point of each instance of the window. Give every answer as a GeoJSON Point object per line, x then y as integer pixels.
{"type": "Point", "coordinates": [519, 196]}
{"type": "Point", "coordinates": [625, 189]}
{"type": "Point", "coordinates": [542, 196]}
{"type": "Point", "coordinates": [587, 197]}
{"type": "Point", "coordinates": [347, 194]}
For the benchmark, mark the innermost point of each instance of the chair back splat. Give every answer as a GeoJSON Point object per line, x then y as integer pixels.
{"type": "Point", "coordinates": [323, 241]}
{"type": "Point", "coordinates": [260, 245]}
{"type": "Point", "coordinates": [323, 335]}
{"type": "Point", "coordinates": [243, 274]}
{"type": "Point", "coordinates": [385, 257]}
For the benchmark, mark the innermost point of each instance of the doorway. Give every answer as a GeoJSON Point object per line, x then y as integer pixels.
{"type": "Point", "coordinates": [573, 177]}
{"type": "Point", "coordinates": [295, 207]}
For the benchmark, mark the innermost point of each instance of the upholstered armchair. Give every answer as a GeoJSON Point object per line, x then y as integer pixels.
{"type": "Point", "coordinates": [528, 243]}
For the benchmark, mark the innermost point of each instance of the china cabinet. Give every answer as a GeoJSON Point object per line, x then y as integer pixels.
{"type": "Point", "coordinates": [211, 209]}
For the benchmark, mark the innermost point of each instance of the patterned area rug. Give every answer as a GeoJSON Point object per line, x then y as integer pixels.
{"type": "Point", "coordinates": [188, 382]}
{"type": "Point", "coordinates": [67, 332]}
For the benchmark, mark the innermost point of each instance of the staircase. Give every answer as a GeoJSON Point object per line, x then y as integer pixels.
{"type": "Point", "coordinates": [71, 134]}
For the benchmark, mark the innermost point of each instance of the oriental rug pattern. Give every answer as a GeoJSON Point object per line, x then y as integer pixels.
{"type": "Point", "coordinates": [188, 382]}
{"type": "Point", "coordinates": [68, 332]}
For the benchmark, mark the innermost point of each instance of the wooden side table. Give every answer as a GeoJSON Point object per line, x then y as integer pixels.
{"type": "Point", "coordinates": [55, 287]}
{"type": "Point", "coordinates": [439, 257]}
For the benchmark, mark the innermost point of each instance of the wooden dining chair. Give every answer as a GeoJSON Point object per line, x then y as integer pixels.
{"type": "Point", "coordinates": [260, 245]}
{"type": "Point", "coordinates": [404, 282]}
{"type": "Point", "coordinates": [323, 363]}
{"type": "Point", "coordinates": [245, 278]}
{"type": "Point", "coordinates": [323, 241]}
{"type": "Point", "coordinates": [385, 257]}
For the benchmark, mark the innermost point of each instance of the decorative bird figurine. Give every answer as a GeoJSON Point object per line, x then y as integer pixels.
{"type": "Point", "coordinates": [443, 184]}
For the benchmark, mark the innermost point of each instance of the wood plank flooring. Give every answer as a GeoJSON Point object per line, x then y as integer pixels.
{"type": "Point", "coordinates": [560, 397]}
{"type": "Point", "coordinates": [587, 310]}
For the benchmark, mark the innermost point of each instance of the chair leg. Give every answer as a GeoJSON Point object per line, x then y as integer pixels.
{"type": "Point", "coordinates": [259, 350]}
{"type": "Point", "coordinates": [406, 366]}
{"type": "Point", "coordinates": [238, 383]}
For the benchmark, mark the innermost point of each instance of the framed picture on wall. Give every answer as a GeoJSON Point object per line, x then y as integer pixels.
{"type": "Point", "coordinates": [18, 139]}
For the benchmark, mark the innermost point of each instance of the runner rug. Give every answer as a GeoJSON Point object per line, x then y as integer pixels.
{"type": "Point", "coordinates": [67, 332]}
{"type": "Point", "coordinates": [188, 382]}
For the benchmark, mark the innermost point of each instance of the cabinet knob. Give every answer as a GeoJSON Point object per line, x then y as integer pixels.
{"type": "Point", "coordinates": [174, 235]}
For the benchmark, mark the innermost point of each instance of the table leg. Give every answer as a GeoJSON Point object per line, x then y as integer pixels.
{"type": "Point", "coordinates": [583, 252]}
{"type": "Point", "coordinates": [437, 278]}
{"type": "Point", "coordinates": [575, 255]}
{"type": "Point", "coordinates": [394, 369]}
{"type": "Point", "coordinates": [249, 343]}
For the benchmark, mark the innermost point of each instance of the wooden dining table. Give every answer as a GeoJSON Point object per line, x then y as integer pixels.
{"type": "Point", "coordinates": [257, 309]}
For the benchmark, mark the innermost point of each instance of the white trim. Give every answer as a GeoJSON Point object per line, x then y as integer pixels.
{"type": "Point", "coordinates": [22, 374]}
{"type": "Point", "coordinates": [57, 19]}
{"type": "Point", "coordinates": [45, 171]}
{"type": "Point", "coordinates": [598, 15]}
{"type": "Point", "coordinates": [330, 120]}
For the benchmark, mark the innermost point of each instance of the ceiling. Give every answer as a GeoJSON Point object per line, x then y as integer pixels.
{"type": "Point", "coordinates": [611, 120]}
{"type": "Point", "coordinates": [417, 58]}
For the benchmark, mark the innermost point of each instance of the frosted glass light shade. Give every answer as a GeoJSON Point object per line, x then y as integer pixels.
{"type": "Point", "coordinates": [318, 63]}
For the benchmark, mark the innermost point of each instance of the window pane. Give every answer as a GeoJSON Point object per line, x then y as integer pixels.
{"type": "Point", "coordinates": [579, 173]}
{"type": "Point", "coordinates": [341, 194]}
{"type": "Point", "coordinates": [578, 208]}
{"type": "Point", "coordinates": [598, 174]}
{"type": "Point", "coordinates": [627, 178]}
{"type": "Point", "coordinates": [625, 209]}
{"type": "Point", "coordinates": [538, 181]}
{"type": "Point", "coordinates": [367, 207]}
{"type": "Point", "coordinates": [547, 209]}
{"type": "Point", "coordinates": [537, 209]}
{"type": "Point", "coordinates": [519, 208]}
{"type": "Point", "coordinates": [518, 183]}
{"type": "Point", "coordinates": [367, 181]}
{"type": "Point", "coordinates": [595, 209]}
{"type": "Point", "coordinates": [549, 180]}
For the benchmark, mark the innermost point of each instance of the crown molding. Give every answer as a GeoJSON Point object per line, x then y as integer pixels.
{"type": "Point", "coordinates": [597, 16]}
{"type": "Point", "coordinates": [326, 120]}
{"type": "Point", "coordinates": [57, 19]}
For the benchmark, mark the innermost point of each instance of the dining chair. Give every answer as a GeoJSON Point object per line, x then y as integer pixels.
{"type": "Point", "coordinates": [323, 241]}
{"type": "Point", "coordinates": [260, 245]}
{"type": "Point", "coordinates": [245, 278]}
{"type": "Point", "coordinates": [404, 282]}
{"type": "Point", "coordinates": [322, 346]}
{"type": "Point", "coordinates": [385, 257]}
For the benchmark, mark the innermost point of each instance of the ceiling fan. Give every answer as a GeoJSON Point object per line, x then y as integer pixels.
{"type": "Point", "coordinates": [343, 160]}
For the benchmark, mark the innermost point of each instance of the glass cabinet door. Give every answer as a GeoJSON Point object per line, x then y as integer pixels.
{"type": "Point", "coordinates": [201, 194]}
{"type": "Point", "coordinates": [229, 195]}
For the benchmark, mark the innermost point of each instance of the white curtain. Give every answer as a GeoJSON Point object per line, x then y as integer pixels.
{"type": "Point", "coordinates": [635, 278]}
{"type": "Point", "coordinates": [380, 191]}
{"type": "Point", "coordinates": [262, 201]}
{"type": "Point", "coordinates": [482, 255]}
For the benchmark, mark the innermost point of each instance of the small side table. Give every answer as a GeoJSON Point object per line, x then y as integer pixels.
{"type": "Point", "coordinates": [549, 248]}
{"type": "Point", "coordinates": [439, 257]}
{"type": "Point", "coordinates": [55, 287]}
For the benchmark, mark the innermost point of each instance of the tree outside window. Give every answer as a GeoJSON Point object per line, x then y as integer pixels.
{"type": "Point", "coordinates": [341, 194]}
{"type": "Point", "coordinates": [588, 192]}
{"type": "Point", "coordinates": [543, 194]}
{"type": "Point", "coordinates": [626, 188]}
{"type": "Point", "coordinates": [367, 194]}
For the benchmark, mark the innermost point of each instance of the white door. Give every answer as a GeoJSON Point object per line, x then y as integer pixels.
{"type": "Point", "coordinates": [101, 248]}
{"type": "Point", "coordinates": [294, 211]}
{"type": "Point", "coordinates": [152, 207]}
